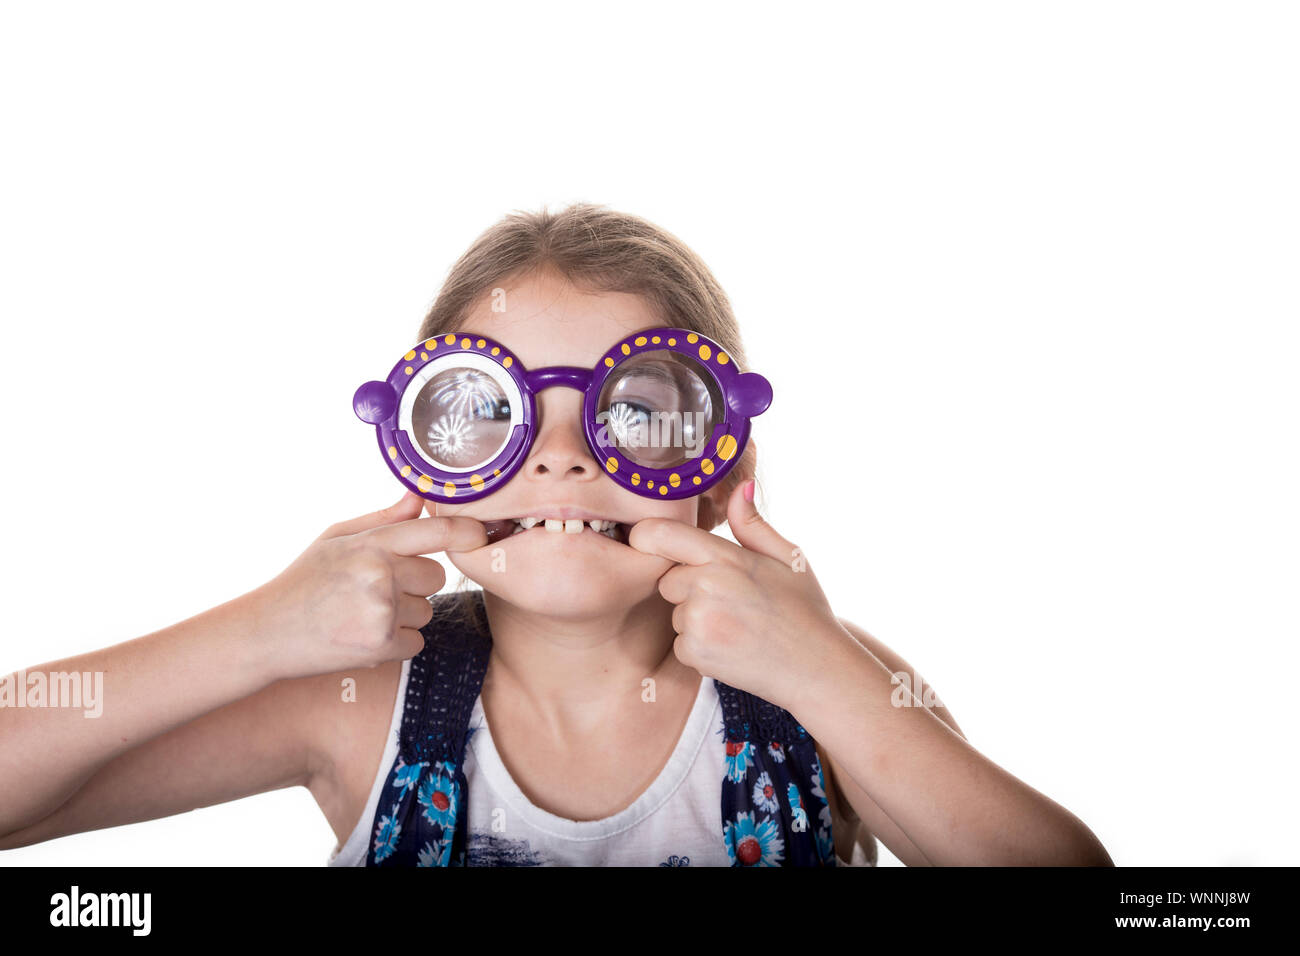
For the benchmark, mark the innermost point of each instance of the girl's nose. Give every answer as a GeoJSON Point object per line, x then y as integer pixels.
{"type": "Point", "coordinates": [560, 449]}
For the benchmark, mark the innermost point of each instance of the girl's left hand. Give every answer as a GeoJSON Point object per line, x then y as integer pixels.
{"type": "Point", "coordinates": [752, 616]}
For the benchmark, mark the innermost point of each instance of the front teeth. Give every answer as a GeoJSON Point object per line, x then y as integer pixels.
{"type": "Point", "coordinates": [567, 525]}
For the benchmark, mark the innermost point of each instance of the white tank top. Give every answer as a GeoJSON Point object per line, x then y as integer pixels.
{"type": "Point", "coordinates": [676, 821]}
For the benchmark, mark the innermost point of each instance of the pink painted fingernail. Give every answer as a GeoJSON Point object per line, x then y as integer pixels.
{"type": "Point", "coordinates": [749, 490]}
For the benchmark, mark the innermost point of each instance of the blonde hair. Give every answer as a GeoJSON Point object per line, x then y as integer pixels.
{"type": "Point", "coordinates": [597, 250]}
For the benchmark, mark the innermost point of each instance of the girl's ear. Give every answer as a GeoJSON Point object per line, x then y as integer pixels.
{"type": "Point", "coordinates": [712, 510]}
{"type": "Point", "coordinates": [713, 503]}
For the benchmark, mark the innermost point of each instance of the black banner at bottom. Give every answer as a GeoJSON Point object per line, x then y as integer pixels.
{"type": "Point", "coordinates": [908, 906]}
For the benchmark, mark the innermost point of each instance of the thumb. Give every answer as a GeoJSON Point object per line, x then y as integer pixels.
{"type": "Point", "coordinates": [408, 507]}
{"type": "Point", "coordinates": [751, 529]}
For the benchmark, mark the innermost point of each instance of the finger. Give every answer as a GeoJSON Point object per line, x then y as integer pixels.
{"type": "Point", "coordinates": [413, 611]}
{"type": "Point", "coordinates": [751, 529]}
{"type": "Point", "coordinates": [408, 642]}
{"type": "Point", "coordinates": [675, 583]}
{"type": "Point", "coordinates": [407, 508]}
{"type": "Point", "coordinates": [419, 576]}
{"type": "Point", "coordinates": [431, 535]}
{"type": "Point", "coordinates": [680, 542]}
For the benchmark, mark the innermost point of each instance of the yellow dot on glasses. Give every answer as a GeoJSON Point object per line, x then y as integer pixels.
{"type": "Point", "coordinates": [626, 349]}
{"type": "Point", "coordinates": [722, 358]}
{"type": "Point", "coordinates": [655, 339]}
{"type": "Point", "coordinates": [726, 447]}
{"type": "Point", "coordinates": [663, 490]}
{"type": "Point", "coordinates": [706, 466]}
{"type": "Point", "coordinates": [672, 341]}
{"type": "Point", "coordinates": [496, 471]}
{"type": "Point", "coordinates": [392, 451]}
{"type": "Point", "coordinates": [639, 341]}
{"type": "Point", "coordinates": [449, 488]}
{"type": "Point", "coordinates": [480, 343]}
{"type": "Point", "coordinates": [649, 484]}
{"type": "Point", "coordinates": [476, 481]}
{"type": "Point", "coordinates": [611, 465]}
{"type": "Point", "coordinates": [431, 344]}
{"type": "Point", "coordinates": [674, 479]}
{"type": "Point", "coordinates": [409, 370]}
{"type": "Point", "coordinates": [423, 356]}
{"type": "Point", "coordinates": [507, 361]}
{"type": "Point", "coordinates": [406, 470]}
{"type": "Point", "coordinates": [705, 352]}
{"type": "Point", "coordinates": [609, 362]}
{"type": "Point", "coordinates": [410, 355]}
{"type": "Point", "coordinates": [696, 479]}
{"type": "Point", "coordinates": [496, 350]}
{"type": "Point", "coordinates": [450, 338]}
{"type": "Point", "coordinates": [636, 478]}
{"type": "Point", "coordinates": [464, 343]}
{"type": "Point", "coordinates": [692, 338]}
{"type": "Point", "coordinates": [424, 482]}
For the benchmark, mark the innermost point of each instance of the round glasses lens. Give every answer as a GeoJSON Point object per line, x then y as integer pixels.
{"type": "Point", "coordinates": [659, 408]}
{"type": "Point", "coordinates": [461, 418]}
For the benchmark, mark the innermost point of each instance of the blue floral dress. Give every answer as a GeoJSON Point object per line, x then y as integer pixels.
{"type": "Point", "coordinates": [774, 806]}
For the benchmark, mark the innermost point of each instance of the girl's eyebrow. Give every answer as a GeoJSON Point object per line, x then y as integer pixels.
{"type": "Point", "coordinates": [657, 371]}
{"type": "Point", "coordinates": [668, 373]}
{"type": "Point", "coordinates": [668, 370]}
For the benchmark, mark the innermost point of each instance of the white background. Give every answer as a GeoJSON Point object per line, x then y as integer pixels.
{"type": "Point", "coordinates": [1023, 275]}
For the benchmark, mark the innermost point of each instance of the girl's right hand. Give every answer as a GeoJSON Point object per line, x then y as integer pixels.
{"type": "Point", "coordinates": [358, 596]}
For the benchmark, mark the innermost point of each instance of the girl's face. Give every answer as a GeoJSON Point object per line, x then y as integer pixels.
{"type": "Point", "coordinates": [547, 321]}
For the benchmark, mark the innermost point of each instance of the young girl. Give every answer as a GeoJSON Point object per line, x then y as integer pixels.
{"type": "Point", "coordinates": [626, 688]}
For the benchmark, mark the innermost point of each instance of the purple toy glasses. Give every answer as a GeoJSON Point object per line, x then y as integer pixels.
{"type": "Point", "coordinates": [666, 413]}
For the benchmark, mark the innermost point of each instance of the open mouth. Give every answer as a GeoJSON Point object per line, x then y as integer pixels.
{"type": "Point", "coordinates": [509, 527]}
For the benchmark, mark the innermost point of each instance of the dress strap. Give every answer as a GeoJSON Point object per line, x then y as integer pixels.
{"type": "Point", "coordinates": [445, 680]}
{"type": "Point", "coordinates": [774, 806]}
{"type": "Point", "coordinates": [747, 717]}
{"type": "Point", "coordinates": [420, 819]}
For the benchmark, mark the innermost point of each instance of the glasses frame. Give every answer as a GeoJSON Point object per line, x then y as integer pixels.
{"type": "Point", "coordinates": [745, 395]}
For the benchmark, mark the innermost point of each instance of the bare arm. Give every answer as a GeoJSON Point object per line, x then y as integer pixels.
{"type": "Point", "coordinates": [152, 685]}
{"type": "Point", "coordinates": [262, 742]}
{"type": "Point", "coordinates": [226, 703]}
{"type": "Point", "coordinates": [854, 802]}
{"type": "Point", "coordinates": [953, 805]}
